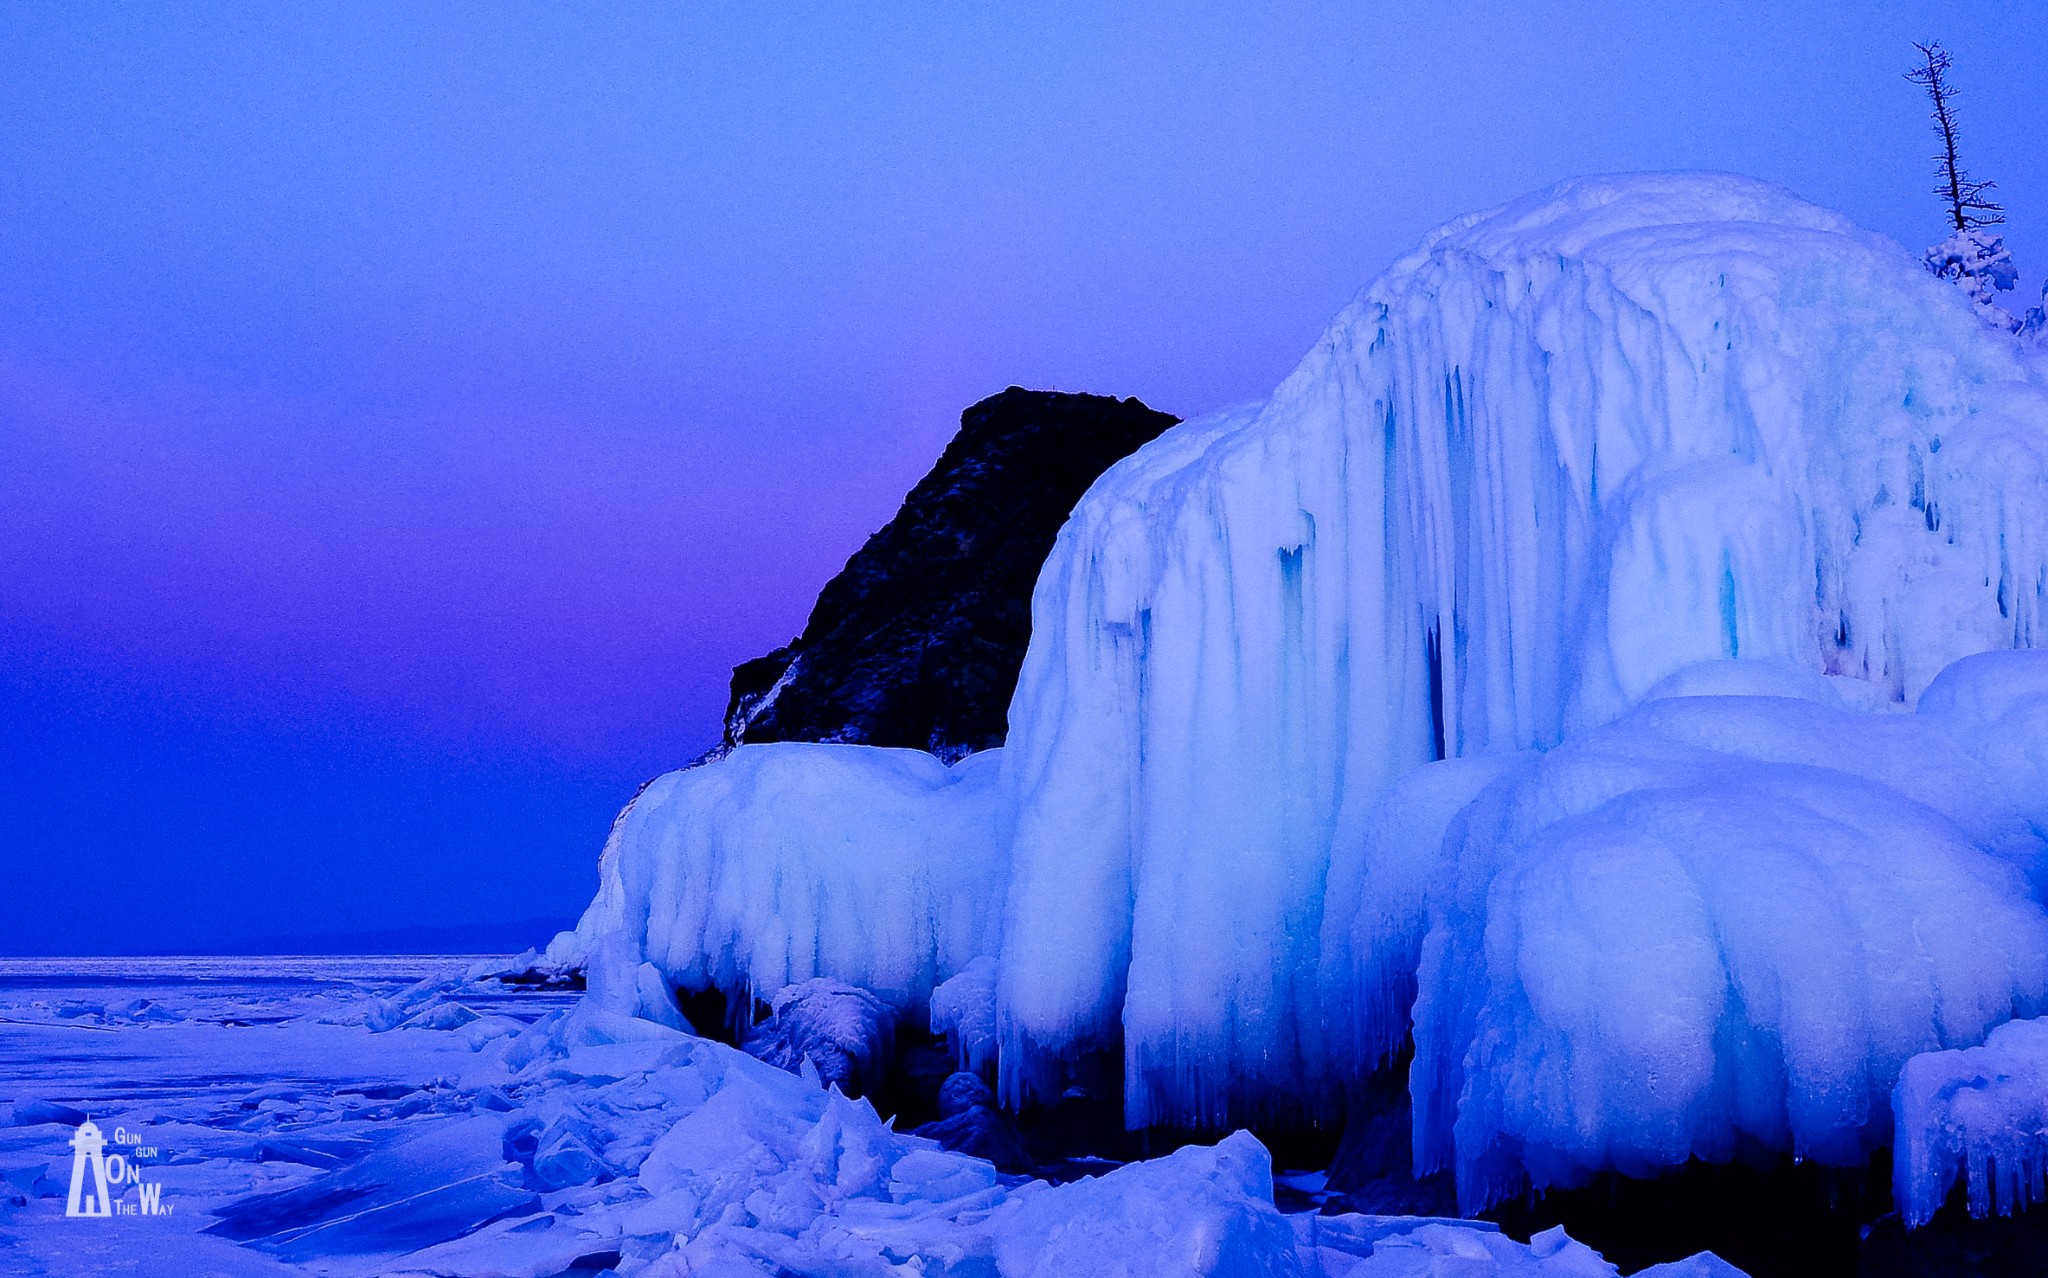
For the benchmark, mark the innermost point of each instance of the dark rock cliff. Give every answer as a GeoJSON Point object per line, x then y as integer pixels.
{"type": "Point", "coordinates": [918, 640]}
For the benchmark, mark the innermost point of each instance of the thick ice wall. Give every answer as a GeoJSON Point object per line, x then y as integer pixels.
{"type": "Point", "coordinates": [1376, 914]}
{"type": "Point", "coordinates": [1189, 793]}
{"type": "Point", "coordinates": [1721, 924]}
{"type": "Point", "coordinates": [1564, 450]}
{"type": "Point", "coordinates": [779, 863]}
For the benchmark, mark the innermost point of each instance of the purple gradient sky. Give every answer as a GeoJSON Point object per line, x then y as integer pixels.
{"type": "Point", "coordinates": [408, 414]}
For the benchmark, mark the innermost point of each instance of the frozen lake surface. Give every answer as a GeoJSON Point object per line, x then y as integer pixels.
{"type": "Point", "coordinates": [246, 1075]}
{"type": "Point", "coordinates": [359, 1116]}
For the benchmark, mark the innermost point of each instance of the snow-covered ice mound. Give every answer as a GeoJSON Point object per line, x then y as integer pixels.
{"type": "Point", "coordinates": [1717, 926]}
{"type": "Point", "coordinates": [881, 868]}
{"type": "Point", "coordinates": [1562, 451]}
{"type": "Point", "coordinates": [1995, 705]}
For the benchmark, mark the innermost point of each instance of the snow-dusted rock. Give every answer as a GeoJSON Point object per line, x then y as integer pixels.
{"type": "Point", "coordinates": [916, 642]}
{"type": "Point", "coordinates": [970, 1123]}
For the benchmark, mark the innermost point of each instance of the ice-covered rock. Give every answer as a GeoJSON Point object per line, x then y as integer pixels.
{"type": "Point", "coordinates": [845, 1034]}
{"type": "Point", "coordinates": [1979, 1113]}
{"type": "Point", "coordinates": [779, 863]}
{"type": "Point", "coordinates": [1720, 923]}
{"type": "Point", "coordinates": [1376, 913]}
{"type": "Point", "coordinates": [1564, 450]}
{"type": "Point", "coordinates": [964, 1091]}
{"type": "Point", "coordinates": [969, 1123]}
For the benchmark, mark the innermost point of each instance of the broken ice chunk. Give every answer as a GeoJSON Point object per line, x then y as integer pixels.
{"type": "Point", "coordinates": [427, 1189]}
{"type": "Point", "coordinates": [1199, 1211]}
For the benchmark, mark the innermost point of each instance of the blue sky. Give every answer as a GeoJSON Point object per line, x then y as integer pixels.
{"type": "Point", "coordinates": [409, 413]}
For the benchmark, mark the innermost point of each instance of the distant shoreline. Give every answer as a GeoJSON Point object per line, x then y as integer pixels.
{"type": "Point", "coordinates": [459, 940]}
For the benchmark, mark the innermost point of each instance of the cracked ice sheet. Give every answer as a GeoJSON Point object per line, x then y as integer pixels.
{"type": "Point", "coordinates": [524, 1134]}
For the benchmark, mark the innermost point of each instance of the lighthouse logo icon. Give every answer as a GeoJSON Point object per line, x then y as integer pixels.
{"type": "Point", "coordinates": [89, 1196]}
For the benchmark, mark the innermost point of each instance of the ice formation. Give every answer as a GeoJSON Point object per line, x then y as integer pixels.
{"type": "Point", "coordinates": [963, 1011]}
{"type": "Point", "coordinates": [1718, 925]}
{"type": "Point", "coordinates": [1981, 1112]}
{"type": "Point", "coordinates": [1564, 450]}
{"type": "Point", "coordinates": [1376, 912]}
{"type": "Point", "coordinates": [1579, 459]}
{"type": "Point", "coordinates": [880, 868]}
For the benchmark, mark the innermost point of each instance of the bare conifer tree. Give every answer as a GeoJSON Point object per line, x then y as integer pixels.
{"type": "Point", "coordinates": [1973, 257]}
{"type": "Point", "coordinates": [1968, 205]}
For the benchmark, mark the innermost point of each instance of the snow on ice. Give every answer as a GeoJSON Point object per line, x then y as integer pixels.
{"type": "Point", "coordinates": [1978, 262]}
{"type": "Point", "coordinates": [296, 1138]}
